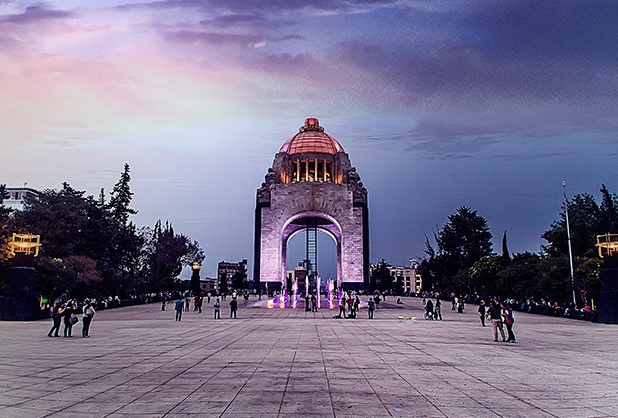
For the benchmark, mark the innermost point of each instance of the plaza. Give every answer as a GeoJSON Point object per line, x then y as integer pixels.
{"type": "Point", "coordinates": [276, 362]}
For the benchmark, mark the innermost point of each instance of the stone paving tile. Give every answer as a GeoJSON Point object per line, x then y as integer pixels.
{"type": "Point", "coordinates": [139, 362]}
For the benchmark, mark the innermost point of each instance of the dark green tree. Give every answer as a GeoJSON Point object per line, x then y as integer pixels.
{"type": "Point", "coordinates": [608, 222]}
{"type": "Point", "coordinates": [381, 278]}
{"type": "Point", "coordinates": [239, 278]}
{"type": "Point", "coordinates": [506, 256]}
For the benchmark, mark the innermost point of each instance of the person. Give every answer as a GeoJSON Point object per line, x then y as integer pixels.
{"type": "Point", "coordinates": [67, 312]}
{"type": "Point", "coordinates": [187, 303]}
{"type": "Point", "coordinates": [438, 309]}
{"type": "Point", "coordinates": [307, 303]}
{"type": "Point", "coordinates": [507, 312]}
{"type": "Point", "coordinates": [179, 304]}
{"type": "Point", "coordinates": [453, 301]}
{"type": "Point", "coordinates": [314, 303]}
{"type": "Point", "coordinates": [482, 312]}
{"type": "Point", "coordinates": [496, 319]}
{"type": "Point", "coordinates": [233, 307]}
{"type": "Point", "coordinates": [461, 307]}
{"type": "Point", "coordinates": [88, 314]}
{"type": "Point", "coordinates": [209, 295]}
{"type": "Point", "coordinates": [350, 303]}
{"type": "Point", "coordinates": [356, 305]}
{"type": "Point", "coordinates": [198, 304]}
{"type": "Point", "coordinates": [217, 307]}
{"type": "Point", "coordinates": [429, 309]}
{"type": "Point", "coordinates": [342, 301]}
{"type": "Point", "coordinates": [399, 302]}
{"type": "Point", "coordinates": [376, 299]}
{"type": "Point", "coordinates": [56, 318]}
{"type": "Point", "coordinates": [163, 302]}
{"type": "Point", "coordinates": [371, 307]}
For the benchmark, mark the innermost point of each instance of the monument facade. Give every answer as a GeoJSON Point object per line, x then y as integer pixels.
{"type": "Point", "coordinates": [311, 186]}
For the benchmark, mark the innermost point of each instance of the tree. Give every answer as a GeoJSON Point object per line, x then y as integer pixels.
{"type": "Point", "coordinates": [167, 254]}
{"type": "Point", "coordinates": [584, 223]}
{"type": "Point", "coordinates": [381, 278]}
{"type": "Point", "coordinates": [462, 241]}
{"type": "Point", "coordinates": [608, 222]}
{"type": "Point", "coordinates": [239, 278]}
{"type": "Point", "coordinates": [121, 197]}
{"type": "Point", "coordinates": [506, 256]}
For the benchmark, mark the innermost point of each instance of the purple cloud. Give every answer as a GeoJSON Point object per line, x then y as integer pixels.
{"type": "Point", "coordinates": [35, 14]}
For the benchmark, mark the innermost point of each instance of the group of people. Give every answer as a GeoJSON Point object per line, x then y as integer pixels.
{"type": "Point", "coordinates": [183, 304]}
{"type": "Point", "coordinates": [431, 311]}
{"type": "Point", "coordinates": [67, 313]}
{"type": "Point", "coordinates": [499, 314]}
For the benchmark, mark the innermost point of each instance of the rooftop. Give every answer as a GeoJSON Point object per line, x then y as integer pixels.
{"type": "Point", "coordinates": [311, 138]}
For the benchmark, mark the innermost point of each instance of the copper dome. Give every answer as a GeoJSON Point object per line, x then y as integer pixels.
{"type": "Point", "coordinates": [311, 138]}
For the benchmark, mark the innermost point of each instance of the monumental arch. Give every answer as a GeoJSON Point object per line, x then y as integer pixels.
{"type": "Point", "coordinates": [311, 186]}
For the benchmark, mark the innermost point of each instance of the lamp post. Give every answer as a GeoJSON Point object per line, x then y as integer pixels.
{"type": "Point", "coordinates": [566, 208]}
{"type": "Point", "coordinates": [195, 278]}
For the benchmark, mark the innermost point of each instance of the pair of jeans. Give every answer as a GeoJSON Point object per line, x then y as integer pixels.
{"type": "Point", "coordinates": [86, 320]}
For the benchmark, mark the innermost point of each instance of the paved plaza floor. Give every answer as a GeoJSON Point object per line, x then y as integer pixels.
{"type": "Point", "coordinates": [275, 362]}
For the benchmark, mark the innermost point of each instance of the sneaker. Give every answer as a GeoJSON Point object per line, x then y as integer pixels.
{"type": "Point", "coordinates": [496, 340]}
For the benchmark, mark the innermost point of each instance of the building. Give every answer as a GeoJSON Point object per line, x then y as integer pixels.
{"type": "Point", "coordinates": [226, 270]}
{"type": "Point", "coordinates": [17, 196]}
{"type": "Point", "coordinates": [311, 187]}
{"type": "Point", "coordinates": [412, 282]}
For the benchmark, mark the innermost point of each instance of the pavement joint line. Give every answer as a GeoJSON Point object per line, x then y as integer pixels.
{"type": "Point", "coordinates": [473, 377]}
{"type": "Point", "coordinates": [287, 380]}
{"type": "Point", "coordinates": [330, 393]}
{"type": "Point", "coordinates": [364, 375]}
{"type": "Point", "coordinates": [404, 379]}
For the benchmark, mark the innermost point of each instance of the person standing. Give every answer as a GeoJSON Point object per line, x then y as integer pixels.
{"type": "Point", "coordinates": [314, 303]}
{"type": "Point", "coordinates": [356, 305]}
{"type": "Point", "coordinates": [507, 312]}
{"type": "Point", "coordinates": [482, 312]}
{"type": "Point", "coordinates": [496, 320]}
{"type": "Point", "coordinates": [438, 309]}
{"type": "Point", "coordinates": [209, 295]}
{"type": "Point", "coordinates": [198, 304]}
{"type": "Point", "coordinates": [187, 302]}
{"type": "Point", "coordinates": [342, 307]}
{"type": "Point", "coordinates": [233, 307]}
{"type": "Point", "coordinates": [217, 306]}
{"type": "Point", "coordinates": [87, 317]}
{"type": "Point", "coordinates": [56, 318]}
{"type": "Point", "coordinates": [371, 305]}
{"type": "Point", "coordinates": [179, 305]}
{"type": "Point", "coordinates": [67, 312]}
{"type": "Point", "coordinates": [376, 299]}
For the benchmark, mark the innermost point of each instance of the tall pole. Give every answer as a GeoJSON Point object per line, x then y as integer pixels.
{"type": "Point", "coordinates": [566, 208]}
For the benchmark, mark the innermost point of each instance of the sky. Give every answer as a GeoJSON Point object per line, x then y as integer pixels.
{"type": "Point", "coordinates": [439, 104]}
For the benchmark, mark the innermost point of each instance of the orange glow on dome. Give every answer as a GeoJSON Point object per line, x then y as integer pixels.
{"type": "Point", "coordinates": [311, 138]}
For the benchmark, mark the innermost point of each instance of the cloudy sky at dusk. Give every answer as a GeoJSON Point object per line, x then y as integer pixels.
{"type": "Point", "coordinates": [488, 104]}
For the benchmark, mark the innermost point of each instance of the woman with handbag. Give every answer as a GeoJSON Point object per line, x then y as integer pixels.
{"type": "Point", "coordinates": [507, 312]}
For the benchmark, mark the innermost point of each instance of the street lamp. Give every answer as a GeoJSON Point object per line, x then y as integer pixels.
{"type": "Point", "coordinates": [566, 208]}
{"type": "Point", "coordinates": [25, 244]}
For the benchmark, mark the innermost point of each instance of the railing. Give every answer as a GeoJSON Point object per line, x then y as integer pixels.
{"type": "Point", "coordinates": [607, 244]}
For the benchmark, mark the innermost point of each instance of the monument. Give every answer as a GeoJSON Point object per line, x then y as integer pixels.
{"type": "Point", "coordinates": [311, 187]}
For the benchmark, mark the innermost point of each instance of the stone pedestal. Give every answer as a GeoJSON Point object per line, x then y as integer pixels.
{"type": "Point", "coordinates": [20, 302]}
{"type": "Point", "coordinates": [195, 283]}
{"type": "Point", "coordinates": [608, 305]}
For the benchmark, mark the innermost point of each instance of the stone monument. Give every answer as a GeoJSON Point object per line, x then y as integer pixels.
{"type": "Point", "coordinates": [311, 186]}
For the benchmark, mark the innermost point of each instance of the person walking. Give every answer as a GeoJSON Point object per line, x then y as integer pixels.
{"type": "Point", "coordinates": [179, 305]}
{"type": "Point", "coordinates": [371, 305]}
{"type": "Point", "coordinates": [88, 314]}
{"type": "Point", "coordinates": [233, 307]}
{"type": "Point", "coordinates": [217, 306]}
{"type": "Point", "coordinates": [356, 305]}
{"type": "Point", "coordinates": [482, 312]}
{"type": "Point", "coordinates": [187, 302]}
{"type": "Point", "coordinates": [438, 309]}
{"type": "Point", "coordinates": [507, 313]}
{"type": "Point", "coordinates": [56, 318]}
{"type": "Point", "coordinates": [198, 304]}
{"type": "Point", "coordinates": [496, 320]}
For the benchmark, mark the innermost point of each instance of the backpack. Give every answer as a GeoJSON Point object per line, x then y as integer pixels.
{"type": "Point", "coordinates": [73, 319]}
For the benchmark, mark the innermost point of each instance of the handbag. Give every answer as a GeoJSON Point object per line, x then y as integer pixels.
{"type": "Point", "coordinates": [508, 320]}
{"type": "Point", "coordinates": [73, 319]}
